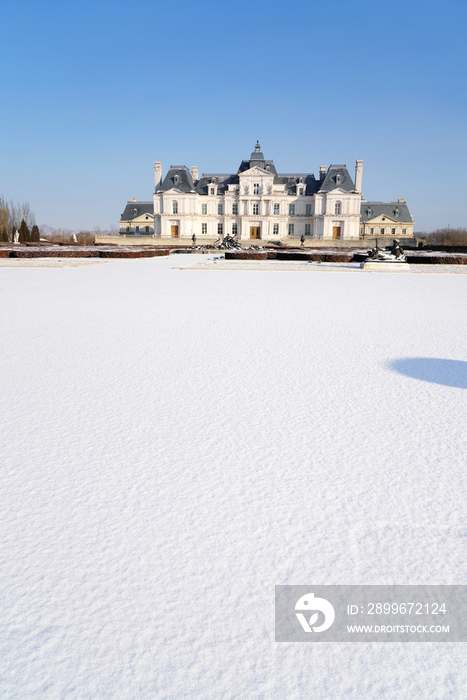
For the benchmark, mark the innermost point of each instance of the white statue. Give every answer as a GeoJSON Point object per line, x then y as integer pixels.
{"type": "Point", "coordinates": [16, 237]}
{"type": "Point", "coordinates": [75, 238]}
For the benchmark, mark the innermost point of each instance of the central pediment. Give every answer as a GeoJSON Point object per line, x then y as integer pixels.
{"type": "Point", "coordinates": [255, 171]}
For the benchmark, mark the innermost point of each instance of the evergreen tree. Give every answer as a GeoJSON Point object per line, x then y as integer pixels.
{"type": "Point", "coordinates": [35, 234]}
{"type": "Point", "coordinates": [4, 219]}
{"type": "Point", "coordinates": [24, 235]}
{"type": "Point", "coordinates": [4, 237]}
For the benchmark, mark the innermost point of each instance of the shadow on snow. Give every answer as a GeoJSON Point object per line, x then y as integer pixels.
{"type": "Point", "coordinates": [432, 369]}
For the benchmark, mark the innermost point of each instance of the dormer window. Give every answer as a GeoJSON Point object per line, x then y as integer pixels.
{"type": "Point", "coordinates": [338, 178]}
{"type": "Point", "coordinates": [133, 211]}
{"type": "Point", "coordinates": [212, 190]}
{"type": "Point", "coordinates": [368, 212]}
{"type": "Point", "coordinates": [256, 188]}
{"type": "Point", "coordinates": [268, 168]}
{"type": "Point", "coordinates": [176, 179]}
{"type": "Point", "coordinates": [396, 212]}
{"type": "Point", "coordinates": [300, 191]}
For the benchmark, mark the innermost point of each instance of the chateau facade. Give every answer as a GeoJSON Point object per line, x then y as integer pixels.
{"type": "Point", "coordinates": [256, 203]}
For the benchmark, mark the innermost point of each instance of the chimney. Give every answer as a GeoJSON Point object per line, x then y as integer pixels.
{"type": "Point", "coordinates": [358, 175]}
{"type": "Point", "coordinates": [322, 172]}
{"type": "Point", "coordinates": [194, 172]}
{"type": "Point", "coordinates": [157, 173]}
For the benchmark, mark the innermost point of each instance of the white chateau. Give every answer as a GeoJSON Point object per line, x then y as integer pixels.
{"type": "Point", "coordinates": [257, 202]}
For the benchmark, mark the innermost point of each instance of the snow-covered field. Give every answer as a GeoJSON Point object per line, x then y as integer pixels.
{"type": "Point", "coordinates": [176, 442]}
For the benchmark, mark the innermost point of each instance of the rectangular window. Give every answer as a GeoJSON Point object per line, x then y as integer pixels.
{"type": "Point", "coordinates": [204, 209]}
{"type": "Point", "coordinates": [220, 209]}
{"type": "Point", "coordinates": [300, 191]}
{"type": "Point", "coordinates": [220, 229]}
{"type": "Point", "coordinates": [212, 190]}
{"type": "Point", "coordinates": [234, 229]}
{"type": "Point", "coordinates": [255, 209]}
{"type": "Point", "coordinates": [372, 231]}
{"type": "Point", "coordinates": [147, 229]}
{"type": "Point", "coordinates": [291, 209]}
{"type": "Point", "coordinates": [291, 229]}
{"type": "Point", "coordinates": [277, 208]}
{"type": "Point", "coordinates": [308, 209]}
{"type": "Point", "coordinates": [137, 228]}
{"type": "Point", "coordinates": [404, 231]}
{"type": "Point", "coordinates": [256, 188]}
{"type": "Point", "coordinates": [393, 231]}
{"type": "Point", "coordinates": [381, 231]}
{"type": "Point", "coordinates": [204, 228]}
{"type": "Point", "coordinates": [361, 232]}
{"type": "Point", "coordinates": [307, 229]}
{"type": "Point", "coordinates": [275, 229]}
{"type": "Point", "coordinates": [235, 209]}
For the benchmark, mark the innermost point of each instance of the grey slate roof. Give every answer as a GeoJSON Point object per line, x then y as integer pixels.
{"type": "Point", "coordinates": [337, 176]}
{"type": "Point", "coordinates": [179, 177]}
{"type": "Point", "coordinates": [370, 210]}
{"type": "Point", "coordinates": [221, 180]}
{"type": "Point", "coordinates": [135, 209]}
{"type": "Point", "coordinates": [265, 164]}
{"type": "Point", "coordinates": [291, 180]}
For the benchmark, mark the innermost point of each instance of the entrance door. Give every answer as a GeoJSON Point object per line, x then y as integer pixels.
{"type": "Point", "coordinates": [336, 231]}
{"type": "Point", "coordinates": [174, 231]}
{"type": "Point", "coordinates": [255, 231]}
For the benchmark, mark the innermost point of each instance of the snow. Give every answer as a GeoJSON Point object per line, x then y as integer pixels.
{"type": "Point", "coordinates": [176, 442]}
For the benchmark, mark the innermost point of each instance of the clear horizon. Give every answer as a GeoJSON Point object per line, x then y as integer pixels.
{"type": "Point", "coordinates": [93, 95]}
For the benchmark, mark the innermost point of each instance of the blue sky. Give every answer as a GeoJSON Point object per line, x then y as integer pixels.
{"type": "Point", "coordinates": [93, 94]}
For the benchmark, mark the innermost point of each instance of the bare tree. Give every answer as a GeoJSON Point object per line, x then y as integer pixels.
{"type": "Point", "coordinates": [17, 213]}
{"type": "Point", "coordinates": [448, 236]}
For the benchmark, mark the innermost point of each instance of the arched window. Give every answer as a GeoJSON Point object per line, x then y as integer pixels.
{"type": "Point", "coordinates": [174, 207]}
{"type": "Point", "coordinates": [337, 208]}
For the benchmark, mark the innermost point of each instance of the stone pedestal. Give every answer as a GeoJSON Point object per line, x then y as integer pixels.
{"type": "Point", "coordinates": [385, 266]}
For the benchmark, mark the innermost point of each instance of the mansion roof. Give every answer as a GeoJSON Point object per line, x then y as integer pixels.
{"type": "Point", "coordinates": [135, 209]}
{"type": "Point", "coordinates": [394, 210]}
{"type": "Point", "coordinates": [179, 177]}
